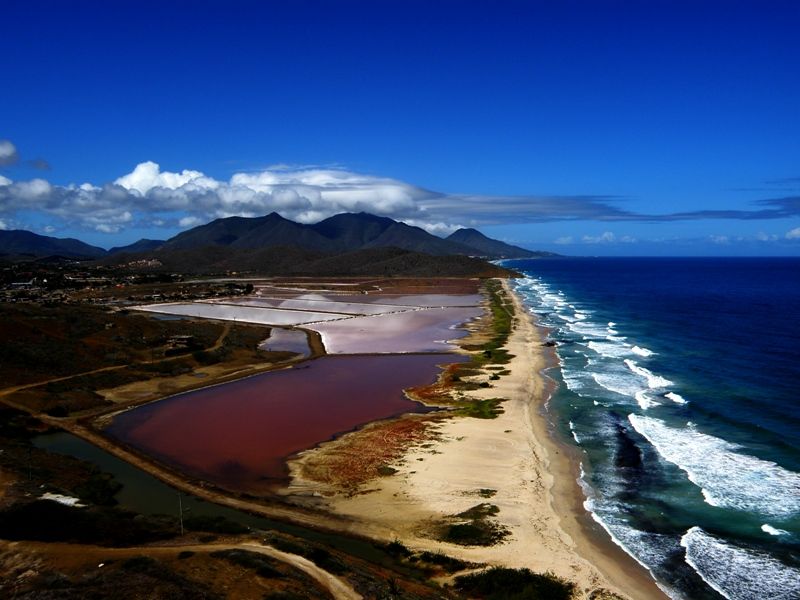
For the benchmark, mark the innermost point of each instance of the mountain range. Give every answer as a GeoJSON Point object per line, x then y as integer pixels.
{"type": "Point", "coordinates": [343, 233]}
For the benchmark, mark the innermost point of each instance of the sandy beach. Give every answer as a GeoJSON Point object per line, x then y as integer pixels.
{"type": "Point", "coordinates": [512, 462]}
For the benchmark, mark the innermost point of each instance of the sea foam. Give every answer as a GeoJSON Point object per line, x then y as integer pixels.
{"type": "Point", "coordinates": [767, 528]}
{"type": "Point", "coordinates": [726, 477]}
{"type": "Point", "coordinates": [738, 573]}
{"type": "Point", "coordinates": [677, 398]}
{"type": "Point", "coordinates": [653, 380]}
{"type": "Point", "coordinates": [610, 349]}
{"type": "Point", "coordinates": [642, 351]}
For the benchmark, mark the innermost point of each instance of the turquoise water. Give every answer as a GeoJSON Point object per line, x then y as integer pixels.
{"type": "Point", "coordinates": [678, 382]}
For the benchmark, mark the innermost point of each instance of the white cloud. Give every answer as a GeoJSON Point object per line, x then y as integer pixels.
{"type": "Point", "coordinates": [607, 237]}
{"type": "Point", "coordinates": [766, 237]}
{"type": "Point", "coordinates": [307, 196]}
{"type": "Point", "coordinates": [793, 234]}
{"type": "Point", "coordinates": [719, 239]}
{"type": "Point", "coordinates": [3, 225]}
{"type": "Point", "coordinates": [8, 153]}
{"type": "Point", "coordinates": [190, 222]}
{"type": "Point", "coordinates": [149, 196]}
{"type": "Point", "coordinates": [148, 175]}
{"type": "Point", "coordinates": [441, 229]}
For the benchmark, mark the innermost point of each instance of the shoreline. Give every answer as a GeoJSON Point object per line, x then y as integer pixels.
{"type": "Point", "coordinates": [513, 463]}
{"type": "Point", "coordinates": [591, 540]}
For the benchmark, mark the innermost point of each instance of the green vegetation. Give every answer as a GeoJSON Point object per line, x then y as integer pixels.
{"type": "Point", "coordinates": [514, 584]}
{"type": "Point", "coordinates": [475, 528]}
{"type": "Point", "coordinates": [481, 409]}
{"type": "Point", "coordinates": [447, 563]}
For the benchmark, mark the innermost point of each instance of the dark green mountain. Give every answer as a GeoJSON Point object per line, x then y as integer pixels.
{"type": "Point", "coordinates": [486, 246]}
{"type": "Point", "coordinates": [345, 232]}
{"type": "Point", "coordinates": [19, 242]}
{"type": "Point", "coordinates": [142, 245]}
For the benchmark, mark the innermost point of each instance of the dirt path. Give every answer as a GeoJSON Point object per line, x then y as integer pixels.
{"type": "Point", "coordinates": [338, 588]}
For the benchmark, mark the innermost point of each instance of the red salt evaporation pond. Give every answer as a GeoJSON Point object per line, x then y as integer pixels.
{"type": "Point", "coordinates": [238, 435]}
{"type": "Point", "coordinates": [424, 330]}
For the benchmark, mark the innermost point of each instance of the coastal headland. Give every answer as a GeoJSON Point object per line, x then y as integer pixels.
{"type": "Point", "coordinates": [475, 475]}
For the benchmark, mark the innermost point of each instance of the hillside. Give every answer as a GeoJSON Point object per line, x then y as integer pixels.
{"type": "Point", "coordinates": [19, 242]}
{"type": "Point", "coordinates": [488, 247]}
{"type": "Point", "coordinates": [292, 260]}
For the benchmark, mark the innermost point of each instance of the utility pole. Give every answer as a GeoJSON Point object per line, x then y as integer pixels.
{"type": "Point", "coordinates": [180, 511]}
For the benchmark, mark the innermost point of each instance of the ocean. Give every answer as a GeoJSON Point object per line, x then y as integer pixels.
{"type": "Point", "coordinates": [679, 381]}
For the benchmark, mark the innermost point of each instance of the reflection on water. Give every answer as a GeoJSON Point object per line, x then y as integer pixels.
{"type": "Point", "coordinates": [287, 340]}
{"type": "Point", "coordinates": [245, 314]}
{"type": "Point", "coordinates": [352, 308]}
{"type": "Point", "coordinates": [424, 330]}
{"type": "Point", "coordinates": [239, 434]}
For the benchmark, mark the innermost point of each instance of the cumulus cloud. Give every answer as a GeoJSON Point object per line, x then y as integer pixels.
{"type": "Point", "coordinates": [8, 153]}
{"type": "Point", "coordinates": [793, 234]}
{"type": "Point", "coordinates": [567, 239]}
{"type": "Point", "coordinates": [3, 225]}
{"type": "Point", "coordinates": [148, 175]}
{"type": "Point", "coordinates": [149, 196]}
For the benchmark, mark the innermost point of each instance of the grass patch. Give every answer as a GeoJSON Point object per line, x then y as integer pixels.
{"type": "Point", "coordinates": [475, 528]}
{"type": "Point", "coordinates": [515, 584]}
{"type": "Point", "coordinates": [481, 409]}
{"type": "Point", "coordinates": [447, 563]}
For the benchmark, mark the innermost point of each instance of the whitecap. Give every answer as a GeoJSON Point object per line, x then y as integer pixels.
{"type": "Point", "coordinates": [726, 477]}
{"type": "Point", "coordinates": [610, 349]}
{"type": "Point", "coordinates": [738, 573]}
{"type": "Point", "coordinates": [619, 384]}
{"type": "Point", "coordinates": [653, 380]}
{"type": "Point", "coordinates": [642, 351]}
{"type": "Point", "coordinates": [677, 398]}
{"type": "Point", "coordinates": [588, 328]}
{"type": "Point", "coordinates": [645, 401]}
{"type": "Point", "coordinates": [767, 528]}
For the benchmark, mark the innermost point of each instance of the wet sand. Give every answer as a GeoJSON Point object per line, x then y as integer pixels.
{"type": "Point", "coordinates": [530, 476]}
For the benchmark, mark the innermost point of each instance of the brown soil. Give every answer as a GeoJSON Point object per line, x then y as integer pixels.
{"type": "Point", "coordinates": [358, 457]}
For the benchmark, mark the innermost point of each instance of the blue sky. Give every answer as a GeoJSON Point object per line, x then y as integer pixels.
{"type": "Point", "coordinates": [595, 127]}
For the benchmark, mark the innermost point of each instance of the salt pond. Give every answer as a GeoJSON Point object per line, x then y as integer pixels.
{"type": "Point", "coordinates": [238, 435]}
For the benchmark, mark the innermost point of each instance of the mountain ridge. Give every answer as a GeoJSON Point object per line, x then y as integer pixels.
{"type": "Point", "coordinates": [342, 233]}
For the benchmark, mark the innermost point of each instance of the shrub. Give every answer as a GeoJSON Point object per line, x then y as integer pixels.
{"type": "Point", "coordinates": [515, 584]}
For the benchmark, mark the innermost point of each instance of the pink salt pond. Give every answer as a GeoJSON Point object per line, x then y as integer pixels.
{"type": "Point", "coordinates": [238, 435]}
{"type": "Point", "coordinates": [421, 330]}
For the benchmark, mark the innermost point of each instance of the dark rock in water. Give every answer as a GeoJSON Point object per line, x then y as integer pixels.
{"type": "Point", "coordinates": [549, 343]}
